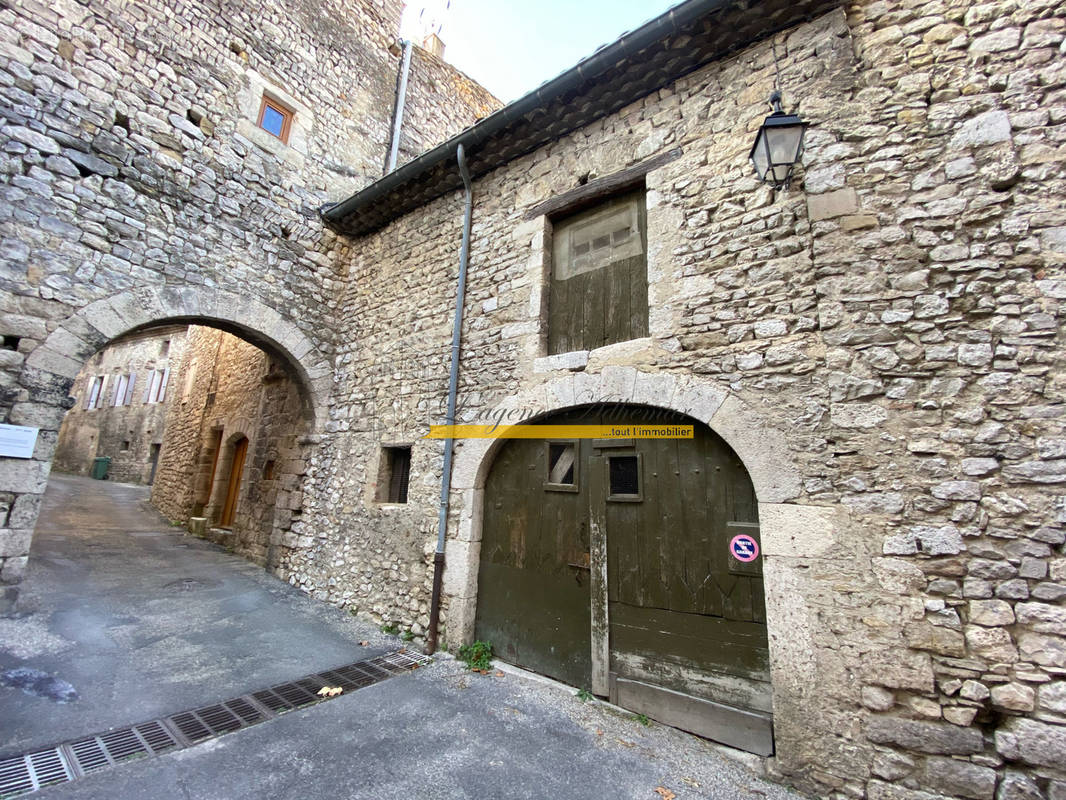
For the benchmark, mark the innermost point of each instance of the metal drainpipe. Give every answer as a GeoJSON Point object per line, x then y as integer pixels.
{"type": "Point", "coordinates": [453, 387]}
{"type": "Point", "coordinates": [401, 101]}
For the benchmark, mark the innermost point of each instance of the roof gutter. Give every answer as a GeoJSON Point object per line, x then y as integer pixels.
{"type": "Point", "coordinates": [585, 70]}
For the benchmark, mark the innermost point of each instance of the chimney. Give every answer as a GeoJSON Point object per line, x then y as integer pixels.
{"type": "Point", "coordinates": [433, 44]}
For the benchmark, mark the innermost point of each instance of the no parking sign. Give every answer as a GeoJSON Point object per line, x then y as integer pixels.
{"type": "Point", "coordinates": [744, 548]}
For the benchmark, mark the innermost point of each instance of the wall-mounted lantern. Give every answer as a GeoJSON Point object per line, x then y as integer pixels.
{"type": "Point", "coordinates": [778, 146]}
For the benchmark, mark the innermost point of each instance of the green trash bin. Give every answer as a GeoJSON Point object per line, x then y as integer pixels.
{"type": "Point", "coordinates": [100, 467]}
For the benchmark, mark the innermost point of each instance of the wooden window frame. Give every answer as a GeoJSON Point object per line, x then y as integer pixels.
{"type": "Point", "coordinates": [286, 113]}
{"type": "Point", "coordinates": [563, 487]}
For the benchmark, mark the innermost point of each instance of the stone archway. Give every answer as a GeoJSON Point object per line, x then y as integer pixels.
{"type": "Point", "coordinates": [791, 531]}
{"type": "Point", "coordinates": [50, 369]}
{"type": "Point", "coordinates": [56, 362]}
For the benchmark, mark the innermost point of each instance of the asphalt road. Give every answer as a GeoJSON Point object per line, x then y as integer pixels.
{"type": "Point", "coordinates": [141, 620]}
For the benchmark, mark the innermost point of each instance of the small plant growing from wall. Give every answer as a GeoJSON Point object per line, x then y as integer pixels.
{"type": "Point", "coordinates": [478, 656]}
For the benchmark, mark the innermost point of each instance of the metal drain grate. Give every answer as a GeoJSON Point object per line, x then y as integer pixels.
{"type": "Point", "coordinates": [29, 772]}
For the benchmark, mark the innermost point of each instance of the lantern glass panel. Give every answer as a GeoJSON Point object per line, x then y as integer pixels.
{"type": "Point", "coordinates": [784, 143]}
{"type": "Point", "coordinates": [759, 156]}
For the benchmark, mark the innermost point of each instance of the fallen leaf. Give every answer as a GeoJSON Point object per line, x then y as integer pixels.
{"type": "Point", "coordinates": [499, 674]}
{"type": "Point", "coordinates": [665, 793]}
{"type": "Point", "coordinates": [599, 732]}
{"type": "Point", "coordinates": [624, 743]}
{"type": "Point", "coordinates": [690, 782]}
{"type": "Point", "coordinates": [330, 691]}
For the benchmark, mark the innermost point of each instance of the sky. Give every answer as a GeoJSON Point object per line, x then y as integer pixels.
{"type": "Point", "coordinates": [512, 46]}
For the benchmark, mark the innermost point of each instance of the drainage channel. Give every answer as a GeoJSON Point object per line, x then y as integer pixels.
{"type": "Point", "coordinates": [71, 760]}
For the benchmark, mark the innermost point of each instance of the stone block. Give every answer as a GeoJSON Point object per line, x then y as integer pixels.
{"type": "Point", "coordinates": [13, 569]}
{"type": "Point", "coordinates": [578, 359]}
{"type": "Point", "coordinates": [764, 451]}
{"type": "Point", "coordinates": [994, 644]}
{"type": "Point", "coordinates": [959, 778]}
{"type": "Point", "coordinates": [857, 415]}
{"type": "Point", "coordinates": [1042, 617]}
{"type": "Point", "coordinates": [987, 128]}
{"type": "Point", "coordinates": [1032, 742]}
{"type": "Point", "coordinates": [1018, 786]}
{"type": "Point", "coordinates": [832, 204]}
{"type": "Point", "coordinates": [991, 613]}
{"type": "Point", "coordinates": [23, 476]}
{"type": "Point", "coordinates": [1014, 697]}
{"type": "Point", "coordinates": [924, 737]}
{"type": "Point", "coordinates": [15, 542]}
{"type": "Point", "coordinates": [799, 531]}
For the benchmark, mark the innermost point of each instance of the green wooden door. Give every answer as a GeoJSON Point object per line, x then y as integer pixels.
{"type": "Point", "coordinates": [686, 620]}
{"type": "Point", "coordinates": [533, 581]}
{"type": "Point", "coordinates": [606, 564]}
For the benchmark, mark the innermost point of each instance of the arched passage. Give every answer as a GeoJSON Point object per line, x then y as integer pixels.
{"type": "Point", "coordinates": [49, 371]}
{"type": "Point", "coordinates": [791, 531]}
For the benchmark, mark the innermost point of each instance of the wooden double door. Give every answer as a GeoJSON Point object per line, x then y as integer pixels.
{"type": "Point", "coordinates": [608, 564]}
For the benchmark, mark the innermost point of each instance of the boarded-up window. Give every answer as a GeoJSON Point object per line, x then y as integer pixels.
{"type": "Point", "coordinates": [598, 292]}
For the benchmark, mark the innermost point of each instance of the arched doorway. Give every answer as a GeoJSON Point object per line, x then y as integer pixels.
{"type": "Point", "coordinates": [607, 564]}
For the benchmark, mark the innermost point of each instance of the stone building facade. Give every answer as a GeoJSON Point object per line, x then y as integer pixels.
{"type": "Point", "coordinates": [879, 345]}
{"type": "Point", "coordinates": [229, 391]}
{"type": "Point", "coordinates": [122, 397]}
{"type": "Point", "coordinates": [138, 188]}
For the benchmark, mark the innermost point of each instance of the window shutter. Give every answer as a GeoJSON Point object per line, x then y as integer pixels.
{"type": "Point", "coordinates": [102, 397]}
{"type": "Point", "coordinates": [129, 389]}
{"type": "Point", "coordinates": [163, 385]}
{"type": "Point", "coordinates": [89, 387]}
{"type": "Point", "coordinates": [120, 391]}
{"type": "Point", "coordinates": [148, 386]}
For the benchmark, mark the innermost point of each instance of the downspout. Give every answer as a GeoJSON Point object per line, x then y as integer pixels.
{"type": "Point", "coordinates": [453, 387]}
{"type": "Point", "coordinates": [401, 102]}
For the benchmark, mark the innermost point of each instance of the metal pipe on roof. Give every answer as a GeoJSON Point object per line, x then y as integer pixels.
{"type": "Point", "coordinates": [653, 30]}
{"type": "Point", "coordinates": [453, 390]}
{"type": "Point", "coordinates": [401, 102]}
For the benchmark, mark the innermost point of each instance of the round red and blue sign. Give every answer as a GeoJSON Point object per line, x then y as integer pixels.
{"type": "Point", "coordinates": [744, 548]}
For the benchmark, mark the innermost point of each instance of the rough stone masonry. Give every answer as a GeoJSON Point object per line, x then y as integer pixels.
{"type": "Point", "coordinates": [880, 344]}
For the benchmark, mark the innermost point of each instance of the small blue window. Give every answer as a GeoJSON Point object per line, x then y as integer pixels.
{"type": "Point", "coordinates": [274, 119]}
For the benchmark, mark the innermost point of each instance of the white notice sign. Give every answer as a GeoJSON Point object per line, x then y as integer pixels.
{"type": "Point", "coordinates": [17, 441]}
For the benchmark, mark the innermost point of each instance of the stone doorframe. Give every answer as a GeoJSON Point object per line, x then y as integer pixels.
{"type": "Point", "coordinates": [790, 532]}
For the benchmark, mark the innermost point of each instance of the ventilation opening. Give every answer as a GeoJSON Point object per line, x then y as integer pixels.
{"type": "Point", "coordinates": [623, 474]}
{"type": "Point", "coordinates": [194, 116]}
{"type": "Point", "coordinates": [268, 470]}
{"type": "Point", "coordinates": [122, 121]}
{"type": "Point", "coordinates": [11, 342]}
{"type": "Point", "coordinates": [394, 474]}
{"type": "Point", "coordinates": [125, 445]}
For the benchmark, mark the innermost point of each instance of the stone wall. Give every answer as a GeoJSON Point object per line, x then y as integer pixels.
{"type": "Point", "coordinates": [124, 433]}
{"type": "Point", "coordinates": [136, 187]}
{"type": "Point", "coordinates": [438, 92]}
{"type": "Point", "coordinates": [231, 389]}
{"type": "Point", "coordinates": [880, 344]}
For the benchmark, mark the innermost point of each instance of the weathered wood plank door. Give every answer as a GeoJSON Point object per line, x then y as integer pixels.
{"type": "Point", "coordinates": [533, 581]}
{"type": "Point", "coordinates": [606, 564]}
{"type": "Point", "coordinates": [687, 624]}
{"type": "Point", "coordinates": [233, 487]}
